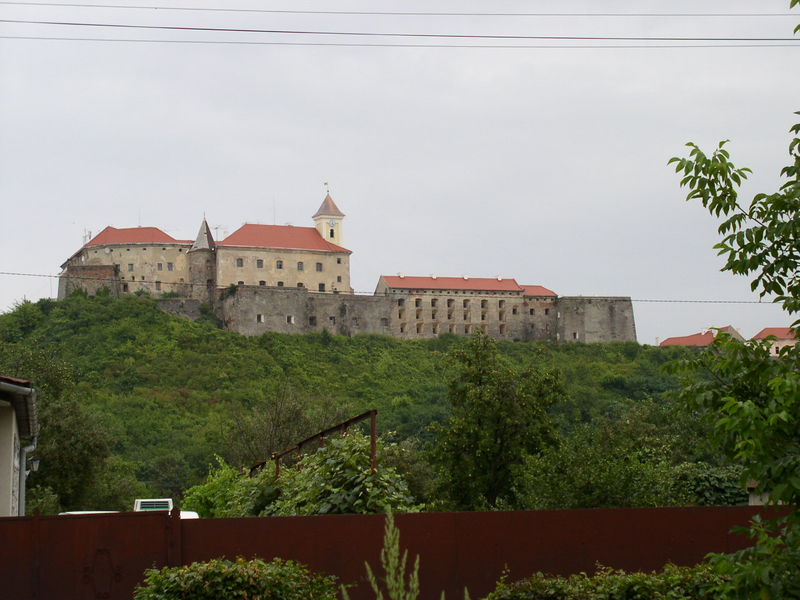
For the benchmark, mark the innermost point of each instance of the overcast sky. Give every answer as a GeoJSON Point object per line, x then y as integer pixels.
{"type": "Point", "coordinates": [543, 164]}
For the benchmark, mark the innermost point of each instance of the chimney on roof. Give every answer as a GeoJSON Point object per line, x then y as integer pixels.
{"type": "Point", "coordinates": [499, 278]}
{"type": "Point", "coordinates": [400, 275]}
{"type": "Point", "coordinates": [433, 276]}
{"type": "Point", "coordinates": [465, 277]}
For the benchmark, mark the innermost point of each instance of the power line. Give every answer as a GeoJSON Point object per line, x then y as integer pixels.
{"type": "Point", "coordinates": [396, 45]}
{"type": "Point", "coordinates": [395, 13]}
{"type": "Point", "coordinates": [189, 284]}
{"type": "Point", "coordinates": [400, 35]}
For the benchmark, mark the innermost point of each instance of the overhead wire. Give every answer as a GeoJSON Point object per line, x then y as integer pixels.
{"type": "Point", "coordinates": [393, 13]}
{"type": "Point", "coordinates": [397, 34]}
{"type": "Point", "coordinates": [397, 45]}
{"type": "Point", "coordinates": [189, 284]}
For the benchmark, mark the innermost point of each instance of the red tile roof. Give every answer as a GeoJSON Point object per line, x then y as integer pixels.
{"type": "Point", "coordinates": [697, 339]}
{"type": "Point", "coordinates": [702, 339]}
{"type": "Point", "coordinates": [538, 290]}
{"type": "Point", "coordinates": [279, 236]}
{"type": "Point", "coordinates": [453, 283]}
{"type": "Point", "coordinates": [782, 333]}
{"type": "Point", "coordinates": [133, 235]}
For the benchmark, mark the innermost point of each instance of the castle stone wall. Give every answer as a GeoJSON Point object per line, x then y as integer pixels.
{"type": "Point", "coordinates": [253, 310]}
{"type": "Point", "coordinates": [90, 278]}
{"type": "Point", "coordinates": [595, 319]}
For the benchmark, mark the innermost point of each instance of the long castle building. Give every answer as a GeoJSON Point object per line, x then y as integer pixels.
{"type": "Point", "coordinates": [297, 280]}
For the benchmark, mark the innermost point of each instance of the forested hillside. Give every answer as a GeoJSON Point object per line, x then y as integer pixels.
{"type": "Point", "coordinates": [146, 400]}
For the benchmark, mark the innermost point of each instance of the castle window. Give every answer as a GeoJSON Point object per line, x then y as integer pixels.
{"type": "Point", "coordinates": [332, 234]}
{"type": "Point", "coordinates": [312, 320]}
{"type": "Point", "coordinates": [401, 302]}
{"type": "Point", "coordinates": [532, 311]}
{"type": "Point", "coordinates": [321, 287]}
{"type": "Point", "coordinates": [502, 329]}
{"type": "Point", "coordinates": [278, 264]}
{"type": "Point", "coordinates": [170, 267]}
{"type": "Point", "coordinates": [130, 266]}
{"type": "Point", "coordinates": [354, 320]}
{"type": "Point", "coordinates": [290, 319]}
{"type": "Point", "coordinates": [300, 284]}
{"type": "Point", "coordinates": [450, 302]}
{"type": "Point", "coordinates": [338, 260]}
{"type": "Point", "coordinates": [433, 314]}
{"type": "Point", "coordinates": [160, 266]}
{"type": "Point", "coordinates": [451, 328]}
{"type": "Point", "coordinates": [484, 304]}
{"type": "Point", "coordinates": [466, 303]}
{"type": "Point", "coordinates": [401, 313]}
{"type": "Point", "coordinates": [338, 279]}
{"type": "Point", "coordinates": [240, 283]}
{"type": "Point", "coordinates": [260, 263]}
{"type": "Point", "coordinates": [239, 262]}
{"type": "Point", "coordinates": [332, 320]}
{"type": "Point", "coordinates": [502, 315]}
{"type": "Point", "coordinates": [435, 328]}
{"type": "Point", "coordinates": [466, 315]}
{"type": "Point", "coordinates": [514, 310]}
{"type": "Point", "coordinates": [402, 327]}
{"type": "Point", "coordinates": [502, 303]}
{"type": "Point", "coordinates": [384, 322]}
{"type": "Point", "coordinates": [262, 283]}
{"type": "Point", "coordinates": [280, 284]}
{"type": "Point", "coordinates": [433, 302]}
{"type": "Point", "coordinates": [300, 266]}
{"type": "Point", "coordinates": [418, 302]}
{"type": "Point", "coordinates": [419, 314]}
{"type": "Point", "coordinates": [450, 315]}
{"type": "Point", "coordinates": [259, 318]}
{"type": "Point", "coordinates": [158, 286]}
{"type": "Point", "coordinates": [319, 267]}
{"type": "Point", "coordinates": [483, 315]}
{"type": "Point", "coordinates": [209, 283]}
{"type": "Point", "coordinates": [142, 278]}
{"type": "Point", "coordinates": [467, 329]}
{"type": "Point", "coordinates": [124, 287]}
{"type": "Point", "coordinates": [547, 311]}
{"type": "Point", "coordinates": [419, 327]}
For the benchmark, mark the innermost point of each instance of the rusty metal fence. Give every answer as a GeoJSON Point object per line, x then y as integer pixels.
{"type": "Point", "coordinates": [104, 556]}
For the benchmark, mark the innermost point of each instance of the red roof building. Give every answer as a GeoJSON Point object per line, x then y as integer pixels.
{"type": "Point", "coordinates": [702, 339]}
{"type": "Point", "coordinates": [781, 333]}
{"type": "Point", "coordinates": [475, 284]}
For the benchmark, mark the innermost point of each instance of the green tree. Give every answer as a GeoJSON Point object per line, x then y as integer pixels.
{"type": "Point", "coordinates": [499, 417]}
{"type": "Point", "coordinates": [335, 479]}
{"type": "Point", "coordinates": [752, 397]}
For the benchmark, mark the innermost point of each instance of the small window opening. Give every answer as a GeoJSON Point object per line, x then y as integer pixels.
{"type": "Point", "coordinates": [312, 320]}
{"type": "Point", "coordinates": [279, 264]}
{"type": "Point", "coordinates": [160, 266]}
{"type": "Point", "coordinates": [321, 287]}
{"type": "Point", "coordinates": [280, 284]}
{"type": "Point", "coordinates": [262, 283]}
{"type": "Point", "coordinates": [332, 320]}
{"type": "Point", "coordinates": [290, 319]}
{"type": "Point", "coordinates": [419, 327]}
{"type": "Point", "coordinates": [418, 302]}
{"type": "Point", "coordinates": [239, 262]}
{"type": "Point", "coordinates": [384, 322]}
{"type": "Point", "coordinates": [318, 266]}
{"type": "Point", "coordinates": [300, 265]}
{"type": "Point", "coordinates": [260, 263]}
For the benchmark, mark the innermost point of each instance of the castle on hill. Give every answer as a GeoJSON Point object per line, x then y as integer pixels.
{"type": "Point", "coordinates": [297, 280]}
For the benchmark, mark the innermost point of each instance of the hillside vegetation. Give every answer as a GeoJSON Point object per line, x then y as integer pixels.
{"type": "Point", "coordinates": [158, 397]}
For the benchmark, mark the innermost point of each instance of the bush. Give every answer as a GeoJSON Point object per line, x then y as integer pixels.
{"type": "Point", "coordinates": [250, 579]}
{"type": "Point", "coordinates": [673, 583]}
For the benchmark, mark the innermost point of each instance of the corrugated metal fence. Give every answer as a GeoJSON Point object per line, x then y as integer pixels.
{"type": "Point", "coordinates": [103, 556]}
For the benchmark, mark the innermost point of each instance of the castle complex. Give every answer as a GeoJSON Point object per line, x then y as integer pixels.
{"type": "Point", "coordinates": [297, 280]}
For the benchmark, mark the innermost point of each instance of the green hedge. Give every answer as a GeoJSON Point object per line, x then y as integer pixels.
{"type": "Point", "coordinates": [245, 579]}
{"type": "Point", "coordinates": [673, 583]}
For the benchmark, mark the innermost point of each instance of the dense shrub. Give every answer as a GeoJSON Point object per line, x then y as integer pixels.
{"type": "Point", "coordinates": [673, 583]}
{"type": "Point", "coordinates": [250, 579]}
